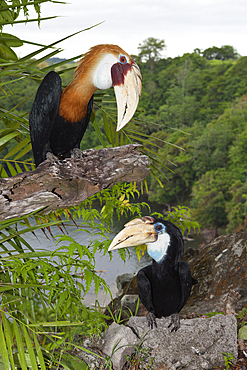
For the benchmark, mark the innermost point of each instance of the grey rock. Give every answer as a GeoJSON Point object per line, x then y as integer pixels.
{"type": "Point", "coordinates": [129, 302]}
{"type": "Point", "coordinates": [92, 353]}
{"type": "Point", "coordinates": [123, 280]}
{"type": "Point", "coordinates": [198, 343]}
{"type": "Point", "coordinates": [119, 342]}
{"type": "Point", "coordinates": [218, 267]}
{"type": "Point", "coordinates": [119, 293]}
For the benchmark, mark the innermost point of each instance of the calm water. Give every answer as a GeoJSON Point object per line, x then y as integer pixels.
{"type": "Point", "coordinates": [112, 268]}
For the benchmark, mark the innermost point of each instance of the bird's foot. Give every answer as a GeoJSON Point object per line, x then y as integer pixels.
{"type": "Point", "coordinates": [175, 320]}
{"type": "Point", "coordinates": [53, 159]}
{"type": "Point", "coordinates": [76, 153]}
{"type": "Point", "coordinates": [150, 316]}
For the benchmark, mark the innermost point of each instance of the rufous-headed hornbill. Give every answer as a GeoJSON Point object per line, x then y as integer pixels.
{"type": "Point", "coordinates": [59, 118]}
{"type": "Point", "coordinates": [164, 286]}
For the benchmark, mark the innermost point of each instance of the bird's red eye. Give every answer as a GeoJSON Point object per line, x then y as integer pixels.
{"type": "Point", "coordinates": [123, 59]}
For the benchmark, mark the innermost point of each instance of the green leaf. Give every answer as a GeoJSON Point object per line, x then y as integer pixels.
{"type": "Point", "coordinates": [56, 323]}
{"type": "Point", "coordinates": [24, 151]}
{"type": "Point", "coordinates": [26, 21]}
{"type": "Point", "coordinates": [23, 231]}
{"type": "Point", "coordinates": [20, 346]}
{"type": "Point", "coordinates": [88, 277]}
{"type": "Point", "coordinates": [96, 283]}
{"type": "Point", "coordinates": [3, 173]}
{"type": "Point", "coordinates": [7, 52]}
{"type": "Point", "coordinates": [3, 349]}
{"type": "Point", "coordinates": [155, 176]}
{"type": "Point", "coordinates": [10, 40]}
{"type": "Point", "coordinates": [8, 137]}
{"type": "Point", "coordinates": [9, 339]}
{"type": "Point", "coordinates": [107, 128]}
{"type": "Point", "coordinates": [97, 129]}
{"type": "Point", "coordinates": [72, 362]}
{"type": "Point", "coordinates": [35, 53]}
{"type": "Point", "coordinates": [242, 333]}
{"type": "Point", "coordinates": [29, 344]}
{"type": "Point", "coordinates": [152, 138]}
{"type": "Point", "coordinates": [11, 169]}
{"type": "Point", "coordinates": [39, 353]}
{"type": "Point", "coordinates": [17, 148]}
{"type": "Point", "coordinates": [38, 61]}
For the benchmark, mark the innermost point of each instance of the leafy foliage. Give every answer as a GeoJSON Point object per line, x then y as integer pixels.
{"type": "Point", "coordinates": [242, 333]}
{"type": "Point", "coordinates": [42, 310]}
{"type": "Point", "coordinates": [242, 321]}
{"type": "Point", "coordinates": [223, 53]}
{"type": "Point", "coordinates": [228, 359]}
{"type": "Point", "coordinates": [199, 106]}
{"type": "Point", "coordinates": [42, 290]}
{"type": "Point", "coordinates": [181, 217]}
{"type": "Point", "coordinates": [150, 50]}
{"type": "Point", "coordinates": [210, 196]}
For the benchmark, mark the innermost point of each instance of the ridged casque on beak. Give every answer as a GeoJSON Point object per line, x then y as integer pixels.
{"type": "Point", "coordinates": [126, 80]}
{"type": "Point", "coordinates": [136, 232]}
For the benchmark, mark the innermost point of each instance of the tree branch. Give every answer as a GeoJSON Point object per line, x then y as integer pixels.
{"type": "Point", "coordinates": [71, 181]}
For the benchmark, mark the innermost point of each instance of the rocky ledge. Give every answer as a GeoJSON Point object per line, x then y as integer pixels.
{"type": "Point", "coordinates": [220, 268]}
{"type": "Point", "coordinates": [199, 343]}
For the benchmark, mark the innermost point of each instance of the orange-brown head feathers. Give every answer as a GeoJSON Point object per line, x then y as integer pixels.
{"type": "Point", "coordinates": [95, 71]}
{"type": "Point", "coordinates": [89, 60]}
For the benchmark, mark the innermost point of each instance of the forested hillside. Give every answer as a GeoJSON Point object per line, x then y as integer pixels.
{"type": "Point", "coordinates": [197, 103]}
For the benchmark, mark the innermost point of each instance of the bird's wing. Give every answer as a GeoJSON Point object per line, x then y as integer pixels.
{"type": "Point", "coordinates": [43, 113]}
{"type": "Point", "coordinates": [185, 282]}
{"type": "Point", "coordinates": [144, 287]}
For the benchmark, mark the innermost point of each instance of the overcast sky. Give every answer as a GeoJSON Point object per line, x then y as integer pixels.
{"type": "Point", "coordinates": [183, 24]}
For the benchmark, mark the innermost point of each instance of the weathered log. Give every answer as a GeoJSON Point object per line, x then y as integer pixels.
{"type": "Point", "coordinates": [71, 181]}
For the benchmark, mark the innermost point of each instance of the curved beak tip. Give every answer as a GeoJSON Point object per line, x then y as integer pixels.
{"type": "Point", "coordinates": [127, 95]}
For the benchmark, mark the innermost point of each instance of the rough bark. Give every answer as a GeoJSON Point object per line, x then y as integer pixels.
{"type": "Point", "coordinates": [71, 181]}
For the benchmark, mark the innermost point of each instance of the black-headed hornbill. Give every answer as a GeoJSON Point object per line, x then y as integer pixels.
{"type": "Point", "coordinates": [164, 286]}
{"type": "Point", "coordinates": [59, 118]}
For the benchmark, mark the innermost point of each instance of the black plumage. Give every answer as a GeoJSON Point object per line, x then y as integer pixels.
{"type": "Point", "coordinates": [164, 286]}
{"type": "Point", "coordinates": [49, 131]}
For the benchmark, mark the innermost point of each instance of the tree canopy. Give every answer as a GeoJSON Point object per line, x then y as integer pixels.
{"type": "Point", "coordinates": [223, 53]}
{"type": "Point", "coordinates": [197, 103]}
{"type": "Point", "coordinates": [150, 50]}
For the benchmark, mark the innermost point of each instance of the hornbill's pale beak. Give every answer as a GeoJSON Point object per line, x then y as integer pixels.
{"type": "Point", "coordinates": [136, 232]}
{"type": "Point", "coordinates": [126, 81]}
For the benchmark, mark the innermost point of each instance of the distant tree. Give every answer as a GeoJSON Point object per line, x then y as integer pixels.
{"type": "Point", "coordinates": [150, 50]}
{"type": "Point", "coordinates": [177, 182]}
{"type": "Point", "coordinates": [223, 53]}
{"type": "Point", "coordinates": [237, 207]}
{"type": "Point", "coordinates": [197, 51]}
{"type": "Point", "coordinates": [210, 195]}
{"type": "Point", "coordinates": [238, 155]}
{"type": "Point", "coordinates": [210, 146]}
{"type": "Point", "coordinates": [181, 96]}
